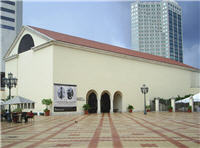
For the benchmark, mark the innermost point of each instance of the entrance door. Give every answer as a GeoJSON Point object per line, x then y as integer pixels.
{"type": "Point", "coordinates": [117, 102]}
{"type": "Point", "coordinates": [105, 103]}
{"type": "Point", "coordinates": [92, 101]}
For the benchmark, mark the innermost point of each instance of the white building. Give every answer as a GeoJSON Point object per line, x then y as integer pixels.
{"type": "Point", "coordinates": [10, 26]}
{"type": "Point", "coordinates": [107, 77]}
{"type": "Point", "coordinates": [157, 28]}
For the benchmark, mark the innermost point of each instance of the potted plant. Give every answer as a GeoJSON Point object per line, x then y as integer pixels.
{"type": "Point", "coordinates": [148, 108]}
{"type": "Point", "coordinates": [170, 108]}
{"type": "Point", "coordinates": [86, 107]}
{"type": "Point", "coordinates": [130, 108]}
{"type": "Point", "coordinates": [47, 102]}
{"type": "Point", "coordinates": [17, 110]}
{"type": "Point", "coordinates": [189, 108]}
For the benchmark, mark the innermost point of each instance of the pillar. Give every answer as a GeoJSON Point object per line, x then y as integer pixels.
{"type": "Point", "coordinates": [99, 104]}
{"type": "Point", "coordinates": [173, 104]}
{"type": "Point", "coordinates": [157, 104]}
{"type": "Point", "coordinates": [111, 103]}
{"type": "Point", "coordinates": [191, 103]}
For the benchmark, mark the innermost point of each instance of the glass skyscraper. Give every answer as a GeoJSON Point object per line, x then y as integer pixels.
{"type": "Point", "coordinates": [10, 26]}
{"type": "Point", "coordinates": [156, 28]}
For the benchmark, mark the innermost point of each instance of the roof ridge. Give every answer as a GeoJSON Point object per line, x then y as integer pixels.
{"type": "Point", "coordinates": [107, 47]}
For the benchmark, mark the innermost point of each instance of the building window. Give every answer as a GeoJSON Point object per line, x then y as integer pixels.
{"type": "Point", "coordinates": [7, 10]}
{"type": "Point", "coordinates": [8, 2]}
{"type": "Point", "coordinates": [7, 27]}
{"type": "Point", "coordinates": [7, 19]}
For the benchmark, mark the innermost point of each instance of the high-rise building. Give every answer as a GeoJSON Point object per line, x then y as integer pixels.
{"type": "Point", "coordinates": [10, 26]}
{"type": "Point", "coordinates": [156, 28]}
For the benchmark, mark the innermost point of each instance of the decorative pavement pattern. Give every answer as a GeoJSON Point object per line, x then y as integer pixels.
{"type": "Point", "coordinates": [115, 130]}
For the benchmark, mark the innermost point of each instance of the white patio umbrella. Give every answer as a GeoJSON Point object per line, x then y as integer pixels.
{"type": "Point", "coordinates": [18, 100]}
{"type": "Point", "coordinates": [1, 102]}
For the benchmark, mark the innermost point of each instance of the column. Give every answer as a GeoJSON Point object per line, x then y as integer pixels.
{"type": "Point", "coordinates": [111, 103]}
{"type": "Point", "coordinates": [157, 104]}
{"type": "Point", "coordinates": [99, 104]}
{"type": "Point", "coordinates": [173, 104]}
{"type": "Point", "coordinates": [191, 103]}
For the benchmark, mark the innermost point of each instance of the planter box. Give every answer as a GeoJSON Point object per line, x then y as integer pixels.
{"type": "Point", "coordinates": [170, 110]}
{"type": "Point", "coordinates": [47, 113]}
{"type": "Point", "coordinates": [86, 112]}
{"type": "Point", "coordinates": [130, 110]}
{"type": "Point", "coordinates": [189, 111]}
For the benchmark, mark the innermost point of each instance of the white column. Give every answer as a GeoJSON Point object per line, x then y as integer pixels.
{"type": "Point", "coordinates": [191, 103]}
{"type": "Point", "coordinates": [99, 104]}
{"type": "Point", "coordinates": [173, 104]}
{"type": "Point", "coordinates": [111, 103]}
{"type": "Point", "coordinates": [157, 104]}
{"type": "Point", "coordinates": [148, 102]}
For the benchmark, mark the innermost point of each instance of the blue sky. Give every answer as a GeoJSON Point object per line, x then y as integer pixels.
{"type": "Point", "coordinates": [107, 22]}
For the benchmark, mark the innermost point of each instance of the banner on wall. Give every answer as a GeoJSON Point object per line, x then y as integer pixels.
{"type": "Point", "coordinates": [65, 97]}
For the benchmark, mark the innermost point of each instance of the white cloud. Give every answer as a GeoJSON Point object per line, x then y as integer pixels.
{"type": "Point", "coordinates": [192, 56]}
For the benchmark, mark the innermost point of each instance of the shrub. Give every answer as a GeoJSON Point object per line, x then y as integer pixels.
{"type": "Point", "coordinates": [17, 110]}
{"type": "Point", "coordinates": [189, 107]}
{"type": "Point", "coordinates": [130, 107]}
{"type": "Point", "coordinates": [46, 102]}
{"type": "Point", "coordinates": [148, 107]}
{"type": "Point", "coordinates": [86, 107]}
{"type": "Point", "coordinates": [170, 107]}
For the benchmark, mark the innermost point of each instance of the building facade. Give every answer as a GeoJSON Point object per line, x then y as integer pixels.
{"type": "Point", "coordinates": [54, 65]}
{"type": "Point", "coordinates": [10, 26]}
{"type": "Point", "coordinates": [157, 28]}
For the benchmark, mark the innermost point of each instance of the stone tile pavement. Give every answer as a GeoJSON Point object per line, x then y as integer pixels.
{"type": "Point", "coordinates": [117, 130]}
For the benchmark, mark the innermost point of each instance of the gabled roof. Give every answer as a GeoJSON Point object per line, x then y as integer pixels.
{"type": "Point", "coordinates": [106, 47]}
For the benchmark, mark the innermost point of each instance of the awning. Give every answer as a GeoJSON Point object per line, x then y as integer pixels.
{"type": "Point", "coordinates": [18, 100]}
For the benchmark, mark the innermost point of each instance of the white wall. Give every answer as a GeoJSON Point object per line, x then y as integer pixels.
{"type": "Point", "coordinates": [35, 75]}
{"type": "Point", "coordinates": [101, 72]}
{"type": "Point", "coordinates": [38, 70]}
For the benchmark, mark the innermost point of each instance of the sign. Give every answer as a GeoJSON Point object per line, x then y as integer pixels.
{"type": "Point", "coordinates": [65, 97]}
{"type": "Point", "coordinates": [80, 99]}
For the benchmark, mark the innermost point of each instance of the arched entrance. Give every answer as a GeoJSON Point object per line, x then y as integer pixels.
{"type": "Point", "coordinates": [105, 103]}
{"type": "Point", "coordinates": [92, 101]}
{"type": "Point", "coordinates": [117, 102]}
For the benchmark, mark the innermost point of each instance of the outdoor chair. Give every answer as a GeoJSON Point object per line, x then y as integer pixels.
{"type": "Point", "coordinates": [30, 115]}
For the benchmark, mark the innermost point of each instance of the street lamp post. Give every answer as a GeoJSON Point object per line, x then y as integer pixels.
{"type": "Point", "coordinates": [144, 90]}
{"type": "Point", "coordinates": [10, 82]}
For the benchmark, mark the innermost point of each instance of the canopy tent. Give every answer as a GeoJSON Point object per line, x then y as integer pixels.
{"type": "Point", "coordinates": [196, 98]}
{"type": "Point", "coordinates": [18, 100]}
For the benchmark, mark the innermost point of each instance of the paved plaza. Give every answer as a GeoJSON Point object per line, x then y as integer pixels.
{"type": "Point", "coordinates": [118, 130]}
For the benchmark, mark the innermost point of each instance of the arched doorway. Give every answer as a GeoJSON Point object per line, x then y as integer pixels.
{"type": "Point", "coordinates": [105, 103]}
{"type": "Point", "coordinates": [117, 102]}
{"type": "Point", "coordinates": [92, 101]}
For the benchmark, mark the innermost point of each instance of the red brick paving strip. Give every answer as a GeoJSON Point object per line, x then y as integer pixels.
{"type": "Point", "coordinates": [166, 129]}
{"type": "Point", "coordinates": [178, 144]}
{"type": "Point", "coordinates": [95, 139]}
{"type": "Point", "coordinates": [179, 122]}
{"type": "Point", "coordinates": [149, 145]}
{"type": "Point", "coordinates": [38, 134]}
{"type": "Point", "coordinates": [19, 125]}
{"type": "Point", "coordinates": [115, 137]}
{"type": "Point", "coordinates": [25, 126]}
{"type": "Point", "coordinates": [54, 134]}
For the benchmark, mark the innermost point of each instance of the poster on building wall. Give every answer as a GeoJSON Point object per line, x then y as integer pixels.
{"type": "Point", "coordinates": [65, 97]}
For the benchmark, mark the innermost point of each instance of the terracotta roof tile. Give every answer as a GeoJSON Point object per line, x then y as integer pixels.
{"type": "Point", "coordinates": [93, 44]}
